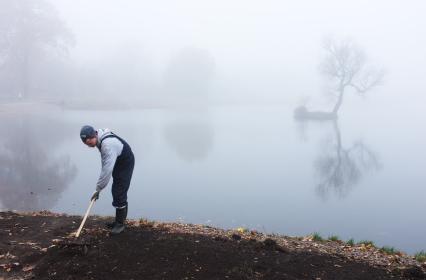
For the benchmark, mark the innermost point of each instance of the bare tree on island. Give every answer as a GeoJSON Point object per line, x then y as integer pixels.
{"type": "Point", "coordinates": [346, 66]}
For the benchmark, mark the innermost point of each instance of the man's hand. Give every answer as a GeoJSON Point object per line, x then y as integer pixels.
{"type": "Point", "coordinates": [95, 196]}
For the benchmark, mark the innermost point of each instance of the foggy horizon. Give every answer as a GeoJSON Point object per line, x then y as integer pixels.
{"type": "Point", "coordinates": [279, 43]}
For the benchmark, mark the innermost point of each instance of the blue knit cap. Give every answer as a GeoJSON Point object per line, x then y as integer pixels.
{"type": "Point", "coordinates": [87, 132]}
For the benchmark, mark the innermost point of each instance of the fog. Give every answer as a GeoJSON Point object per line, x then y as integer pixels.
{"type": "Point", "coordinates": [261, 52]}
{"type": "Point", "coordinates": [274, 45]}
{"type": "Point", "coordinates": [206, 93]}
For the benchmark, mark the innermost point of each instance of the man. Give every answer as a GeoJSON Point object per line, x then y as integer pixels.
{"type": "Point", "coordinates": [117, 160]}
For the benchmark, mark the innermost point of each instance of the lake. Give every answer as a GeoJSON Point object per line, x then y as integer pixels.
{"type": "Point", "coordinates": [249, 166]}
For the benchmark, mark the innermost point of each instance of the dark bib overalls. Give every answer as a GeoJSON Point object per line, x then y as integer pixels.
{"type": "Point", "coordinates": [121, 174]}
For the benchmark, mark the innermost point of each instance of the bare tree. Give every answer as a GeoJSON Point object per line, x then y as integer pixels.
{"type": "Point", "coordinates": [346, 65]}
{"type": "Point", "coordinates": [29, 30]}
{"type": "Point", "coordinates": [341, 168]}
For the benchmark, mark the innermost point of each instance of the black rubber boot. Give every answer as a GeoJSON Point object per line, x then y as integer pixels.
{"type": "Point", "coordinates": [120, 218]}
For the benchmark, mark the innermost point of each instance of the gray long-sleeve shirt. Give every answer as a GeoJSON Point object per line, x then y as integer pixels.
{"type": "Point", "coordinates": [111, 148]}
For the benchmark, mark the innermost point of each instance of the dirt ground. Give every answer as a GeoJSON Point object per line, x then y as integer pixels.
{"type": "Point", "coordinates": [41, 246]}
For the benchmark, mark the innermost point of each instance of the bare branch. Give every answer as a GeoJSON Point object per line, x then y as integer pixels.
{"type": "Point", "coordinates": [346, 65]}
{"type": "Point", "coordinates": [369, 79]}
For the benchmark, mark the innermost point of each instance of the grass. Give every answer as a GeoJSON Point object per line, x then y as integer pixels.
{"type": "Point", "coordinates": [351, 242]}
{"type": "Point", "coordinates": [367, 243]}
{"type": "Point", "coordinates": [317, 237]}
{"type": "Point", "coordinates": [420, 256]}
{"type": "Point", "coordinates": [389, 250]}
{"type": "Point", "coordinates": [333, 238]}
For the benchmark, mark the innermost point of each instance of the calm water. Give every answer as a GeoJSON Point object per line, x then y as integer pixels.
{"type": "Point", "coordinates": [362, 177]}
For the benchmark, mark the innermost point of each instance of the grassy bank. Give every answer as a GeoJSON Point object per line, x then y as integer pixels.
{"type": "Point", "coordinates": [42, 246]}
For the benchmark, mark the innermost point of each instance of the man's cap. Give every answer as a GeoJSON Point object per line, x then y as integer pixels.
{"type": "Point", "coordinates": [87, 132]}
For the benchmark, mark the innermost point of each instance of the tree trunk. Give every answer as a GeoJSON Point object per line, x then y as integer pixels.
{"type": "Point", "coordinates": [338, 141]}
{"type": "Point", "coordinates": [339, 101]}
{"type": "Point", "coordinates": [338, 169]}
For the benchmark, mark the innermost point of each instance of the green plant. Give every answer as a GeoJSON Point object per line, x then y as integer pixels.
{"type": "Point", "coordinates": [388, 250]}
{"type": "Point", "coordinates": [421, 256]}
{"type": "Point", "coordinates": [317, 237]}
{"type": "Point", "coordinates": [351, 242]}
{"type": "Point", "coordinates": [333, 238]}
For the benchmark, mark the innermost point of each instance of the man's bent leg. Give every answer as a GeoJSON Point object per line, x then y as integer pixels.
{"type": "Point", "coordinates": [121, 182]}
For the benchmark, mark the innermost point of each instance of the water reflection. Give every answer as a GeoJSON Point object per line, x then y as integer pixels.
{"type": "Point", "coordinates": [32, 177]}
{"type": "Point", "coordinates": [191, 137]}
{"type": "Point", "coordinates": [340, 169]}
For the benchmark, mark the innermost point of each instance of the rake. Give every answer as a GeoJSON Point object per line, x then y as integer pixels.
{"type": "Point", "coordinates": [85, 218]}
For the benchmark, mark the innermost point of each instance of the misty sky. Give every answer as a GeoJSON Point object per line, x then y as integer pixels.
{"type": "Point", "coordinates": [259, 44]}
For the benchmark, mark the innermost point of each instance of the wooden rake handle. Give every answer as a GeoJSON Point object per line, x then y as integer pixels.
{"type": "Point", "coordinates": [85, 217]}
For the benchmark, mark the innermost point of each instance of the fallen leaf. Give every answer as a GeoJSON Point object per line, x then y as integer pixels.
{"type": "Point", "coordinates": [28, 268]}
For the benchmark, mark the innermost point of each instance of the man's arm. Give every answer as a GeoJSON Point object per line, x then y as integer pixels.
{"type": "Point", "coordinates": [110, 150]}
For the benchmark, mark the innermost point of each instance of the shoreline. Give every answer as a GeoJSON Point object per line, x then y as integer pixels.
{"type": "Point", "coordinates": [42, 245]}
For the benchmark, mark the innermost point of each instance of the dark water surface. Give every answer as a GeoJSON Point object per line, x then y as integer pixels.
{"type": "Point", "coordinates": [360, 177]}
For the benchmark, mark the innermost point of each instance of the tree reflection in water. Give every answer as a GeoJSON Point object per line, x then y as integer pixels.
{"type": "Point", "coordinates": [191, 140]}
{"type": "Point", "coordinates": [32, 177]}
{"type": "Point", "coordinates": [190, 133]}
{"type": "Point", "coordinates": [339, 168]}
